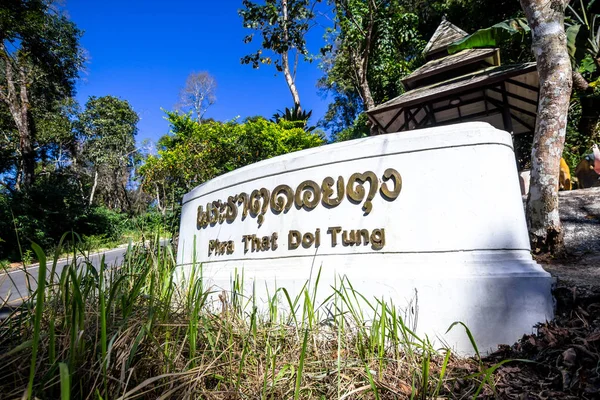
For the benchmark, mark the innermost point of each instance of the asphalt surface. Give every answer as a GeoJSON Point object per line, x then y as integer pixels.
{"type": "Point", "coordinates": [15, 286]}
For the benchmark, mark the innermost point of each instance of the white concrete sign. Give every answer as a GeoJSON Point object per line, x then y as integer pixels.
{"type": "Point", "coordinates": [434, 212]}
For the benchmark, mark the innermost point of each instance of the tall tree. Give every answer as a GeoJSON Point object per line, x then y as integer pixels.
{"type": "Point", "coordinates": [374, 45]}
{"type": "Point", "coordinates": [283, 25]}
{"type": "Point", "coordinates": [40, 58]}
{"type": "Point", "coordinates": [107, 128]}
{"type": "Point", "coordinates": [549, 45]}
{"type": "Point", "coordinates": [198, 94]}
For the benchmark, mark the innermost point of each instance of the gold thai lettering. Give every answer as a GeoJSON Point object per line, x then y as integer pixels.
{"type": "Point", "coordinates": [242, 199]}
{"type": "Point", "coordinates": [282, 199]}
{"type": "Point", "coordinates": [201, 219]}
{"type": "Point", "coordinates": [357, 194]}
{"type": "Point", "coordinates": [259, 202]}
{"type": "Point", "coordinates": [386, 193]}
{"type": "Point", "coordinates": [327, 190]}
{"type": "Point", "coordinates": [232, 211]}
{"type": "Point", "coordinates": [308, 195]}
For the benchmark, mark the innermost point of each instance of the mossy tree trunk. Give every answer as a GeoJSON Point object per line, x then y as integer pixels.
{"type": "Point", "coordinates": [546, 19]}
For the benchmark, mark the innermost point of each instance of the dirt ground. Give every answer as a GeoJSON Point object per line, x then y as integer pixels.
{"type": "Point", "coordinates": [564, 356]}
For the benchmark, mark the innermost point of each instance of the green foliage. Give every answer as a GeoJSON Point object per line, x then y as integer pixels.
{"type": "Point", "coordinates": [53, 206]}
{"type": "Point", "coordinates": [578, 143]}
{"type": "Point", "coordinates": [358, 130]}
{"type": "Point", "coordinates": [107, 128]}
{"type": "Point", "coordinates": [195, 153]}
{"type": "Point", "coordinates": [295, 114]}
{"type": "Point", "coordinates": [583, 44]}
{"type": "Point", "coordinates": [402, 28]}
{"type": "Point", "coordinates": [492, 36]}
{"type": "Point", "coordinates": [391, 51]}
{"type": "Point", "coordinates": [292, 115]}
{"type": "Point", "coordinates": [41, 213]}
{"type": "Point", "coordinates": [583, 36]}
{"type": "Point", "coordinates": [469, 15]}
{"type": "Point", "coordinates": [101, 221]}
{"type": "Point", "coordinates": [88, 326]}
{"type": "Point", "coordinates": [280, 32]}
{"type": "Point", "coordinates": [67, 151]}
{"type": "Point", "coordinates": [40, 59]}
{"type": "Point", "coordinates": [39, 39]}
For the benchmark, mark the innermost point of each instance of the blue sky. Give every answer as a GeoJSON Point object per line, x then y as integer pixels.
{"type": "Point", "coordinates": [142, 51]}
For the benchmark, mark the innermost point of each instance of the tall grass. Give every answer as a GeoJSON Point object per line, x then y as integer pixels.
{"type": "Point", "coordinates": [130, 332]}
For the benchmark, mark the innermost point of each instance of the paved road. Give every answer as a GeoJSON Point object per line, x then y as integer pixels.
{"type": "Point", "coordinates": [14, 287]}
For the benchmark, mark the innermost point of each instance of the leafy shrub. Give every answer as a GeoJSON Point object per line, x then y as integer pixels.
{"type": "Point", "coordinates": [358, 130]}
{"type": "Point", "coordinates": [51, 207]}
{"type": "Point", "coordinates": [195, 153]}
{"type": "Point", "coordinates": [101, 221]}
{"type": "Point", "coordinates": [40, 214]}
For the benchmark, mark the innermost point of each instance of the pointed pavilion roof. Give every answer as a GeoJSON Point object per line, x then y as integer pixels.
{"type": "Point", "coordinates": [458, 60]}
{"type": "Point", "coordinates": [445, 34]}
{"type": "Point", "coordinates": [470, 85]}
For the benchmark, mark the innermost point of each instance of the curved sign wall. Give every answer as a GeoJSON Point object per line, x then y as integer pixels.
{"type": "Point", "coordinates": [433, 217]}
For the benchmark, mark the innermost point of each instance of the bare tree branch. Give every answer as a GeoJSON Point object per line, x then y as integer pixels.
{"type": "Point", "coordinates": [198, 94]}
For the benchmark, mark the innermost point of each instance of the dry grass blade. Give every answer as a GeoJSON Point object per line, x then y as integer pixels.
{"type": "Point", "coordinates": [130, 331]}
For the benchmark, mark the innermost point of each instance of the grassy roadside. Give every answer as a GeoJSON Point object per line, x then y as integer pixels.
{"type": "Point", "coordinates": [86, 245]}
{"type": "Point", "coordinates": [144, 337]}
{"type": "Point", "coordinates": [98, 230]}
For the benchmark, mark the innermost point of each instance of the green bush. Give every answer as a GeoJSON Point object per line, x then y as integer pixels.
{"type": "Point", "coordinates": [194, 153]}
{"type": "Point", "coordinates": [40, 214]}
{"type": "Point", "coordinates": [100, 221]}
{"type": "Point", "coordinates": [151, 221]}
{"type": "Point", "coordinates": [51, 207]}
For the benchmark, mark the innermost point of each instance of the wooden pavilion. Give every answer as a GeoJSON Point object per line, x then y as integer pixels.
{"type": "Point", "coordinates": [470, 85]}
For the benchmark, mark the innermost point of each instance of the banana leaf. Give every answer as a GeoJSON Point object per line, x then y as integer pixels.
{"type": "Point", "coordinates": [492, 36]}
{"type": "Point", "coordinates": [577, 36]}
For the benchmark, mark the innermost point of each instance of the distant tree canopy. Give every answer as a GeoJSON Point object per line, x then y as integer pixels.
{"type": "Point", "coordinates": [373, 45]}
{"type": "Point", "coordinates": [194, 153]}
{"type": "Point", "coordinates": [106, 130]}
{"type": "Point", "coordinates": [283, 25]}
{"type": "Point", "coordinates": [40, 59]}
{"type": "Point", "coordinates": [198, 94]}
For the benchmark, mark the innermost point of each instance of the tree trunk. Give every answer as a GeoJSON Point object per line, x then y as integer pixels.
{"type": "Point", "coordinates": [94, 187]}
{"type": "Point", "coordinates": [365, 91]}
{"type": "Point", "coordinates": [579, 83]}
{"type": "Point", "coordinates": [127, 200]}
{"type": "Point", "coordinates": [18, 106]}
{"type": "Point", "coordinates": [363, 65]}
{"type": "Point", "coordinates": [363, 84]}
{"type": "Point", "coordinates": [162, 209]}
{"type": "Point", "coordinates": [549, 44]}
{"type": "Point", "coordinates": [290, 80]}
{"type": "Point", "coordinates": [285, 62]}
{"type": "Point", "coordinates": [26, 136]}
{"type": "Point", "coordinates": [361, 59]}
